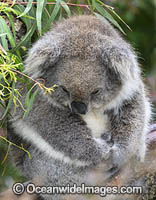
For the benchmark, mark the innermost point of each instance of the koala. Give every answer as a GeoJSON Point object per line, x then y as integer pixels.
{"type": "Point", "coordinates": [98, 114]}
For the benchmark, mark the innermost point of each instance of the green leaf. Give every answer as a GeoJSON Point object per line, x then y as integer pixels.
{"type": "Point", "coordinates": [9, 34]}
{"type": "Point", "coordinates": [93, 4]}
{"type": "Point", "coordinates": [29, 100]}
{"type": "Point", "coordinates": [12, 25]}
{"type": "Point", "coordinates": [17, 61]}
{"type": "Point", "coordinates": [120, 18]}
{"type": "Point", "coordinates": [26, 38]}
{"type": "Point", "coordinates": [13, 31]}
{"type": "Point", "coordinates": [111, 10]}
{"type": "Point", "coordinates": [27, 9]}
{"type": "Point", "coordinates": [3, 37]}
{"type": "Point", "coordinates": [2, 34]}
{"type": "Point", "coordinates": [18, 12]}
{"type": "Point", "coordinates": [104, 13]}
{"type": "Point", "coordinates": [89, 3]}
{"type": "Point", "coordinates": [53, 15]}
{"type": "Point", "coordinates": [9, 9]}
{"type": "Point", "coordinates": [66, 8]}
{"type": "Point", "coordinates": [79, 8]}
{"type": "Point", "coordinates": [10, 101]}
{"type": "Point", "coordinates": [40, 7]}
{"type": "Point", "coordinates": [24, 19]}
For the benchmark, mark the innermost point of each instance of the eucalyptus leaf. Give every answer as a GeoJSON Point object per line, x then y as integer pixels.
{"type": "Point", "coordinates": [10, 101]}
{"type": "Point", "coordinates": [27, 9]}
{"type": "Point", "coordinates": [29, 101]}
{"type": "Point", "coordinates": [40, 7]}
{"type": "Point", "coordinates": [26, 38]}
{"type": "Point", "coordinates": [66, 8]}
{"type": "Point", "coordinates": [3, 36]}
{"type": "Point", "coordinates": [9, 34]}
{"type": "Point", "coordinates": [53, 15]}
{"type": "Point", "coordinates": [104, 13]}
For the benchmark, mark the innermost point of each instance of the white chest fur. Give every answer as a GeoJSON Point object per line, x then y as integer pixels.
{"type": "Point", "coordinates": [97, 122]}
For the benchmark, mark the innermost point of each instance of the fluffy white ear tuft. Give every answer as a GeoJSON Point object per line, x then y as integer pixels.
{"type": "Point", "coordinates": [123, 62]}
{"type": "Point", "coordinates": [43, 53]}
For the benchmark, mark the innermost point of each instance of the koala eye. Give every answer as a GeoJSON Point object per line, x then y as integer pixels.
{"type": "Point", "coordinates": [65, 90]}
{"type": "Point", "coordinates": [96, 92]}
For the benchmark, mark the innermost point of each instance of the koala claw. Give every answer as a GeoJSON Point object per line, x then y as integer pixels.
{"type": "Point", "coordinates": [106, 149]}
{"type": "Point", "coordinates": [114, 170]}
{"type": "Point", "coordinates": [107, 137]}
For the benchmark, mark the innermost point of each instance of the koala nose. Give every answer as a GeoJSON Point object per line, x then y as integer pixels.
{"type": "Point", "coordinates": [79, 107]}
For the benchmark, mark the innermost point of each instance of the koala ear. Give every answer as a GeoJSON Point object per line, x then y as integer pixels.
{"type": "Point", "coordinates": [122, 61]}
{"type": "Point", "coordinates": [43, 54]}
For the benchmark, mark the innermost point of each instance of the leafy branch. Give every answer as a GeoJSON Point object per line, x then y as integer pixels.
{"type": "Point", "coordinates": [10, 143]}
{"type": "Point", "coordinates": [50, 10]}
{"type": "Point", "coordinates": [10, 68]}
{"type": "Point", "coordinates": [8, 149]}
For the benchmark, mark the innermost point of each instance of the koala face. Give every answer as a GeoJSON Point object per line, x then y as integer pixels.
{"type": "Point", "coordinates": [82, 84]}
{"type": "Point", "coordinates": [89, 66]}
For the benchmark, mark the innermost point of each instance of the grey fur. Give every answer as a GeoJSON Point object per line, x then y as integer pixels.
{"type": "Point", "coordinates": [90, 63]}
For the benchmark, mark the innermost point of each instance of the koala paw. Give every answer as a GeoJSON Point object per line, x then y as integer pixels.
{"type": "Point", "coordinates": [105, 148]}
{"type": "Point", "coordinates": [107, 137]}
{"type": "Point", "coordinates": [114, 163]}
{"type": "Point", "coordinates": [113, 170]}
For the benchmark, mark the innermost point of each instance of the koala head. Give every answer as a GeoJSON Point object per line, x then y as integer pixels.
{"type": "Point", "coordinates": [91, 69]}
{"type": "Point", "coordinates": [83, 84]}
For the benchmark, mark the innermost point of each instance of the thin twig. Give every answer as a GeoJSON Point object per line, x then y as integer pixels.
{"type": "Point", "coordinates": [3, 50]}
{"type": "Point", "coordinates": [26, 76]}
{"type": "Point", "coordinates": [49, 3]}
{"type": "Point", "coordinates": [41, 85]}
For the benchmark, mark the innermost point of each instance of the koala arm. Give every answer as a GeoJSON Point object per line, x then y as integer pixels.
{"type": "Point", "coordinates": [128, 126]}
{"type": "Point", "coordinates": [76, 142]}
{"type": "Point", "coordinates": [87, 151]}
{"type": "Point", "coordinates": [72, 149]}
{"type": "Point", "coordinates": [60, 135]}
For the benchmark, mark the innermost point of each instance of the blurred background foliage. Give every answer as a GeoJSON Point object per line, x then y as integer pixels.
{"type": "Point", "coordinates": [23, 22]}
{"type": "Point", "coordinates": [141, 17]}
